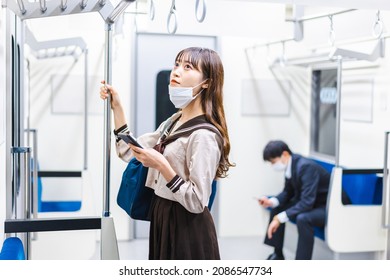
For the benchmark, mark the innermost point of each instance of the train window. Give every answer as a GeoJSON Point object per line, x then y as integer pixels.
{"type": "Point", "coordinates": [164, 106]}
{"type": "Point", "coordinates": [323, 113]}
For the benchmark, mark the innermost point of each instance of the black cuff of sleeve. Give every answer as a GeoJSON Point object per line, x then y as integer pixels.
{"type": "Point", "coordinates": [122, 128]}
{"type": "Point", "coordinates": [175, 184]}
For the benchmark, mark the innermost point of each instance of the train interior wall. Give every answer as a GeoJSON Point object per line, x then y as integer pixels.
{"type": "Point", "coordinates": [56, 92]}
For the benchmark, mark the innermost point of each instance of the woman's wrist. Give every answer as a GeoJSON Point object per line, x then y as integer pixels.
{"type": "Point", "coordinates": [166, 171]}
{"type": "Point", "coordinates": [117, 108]}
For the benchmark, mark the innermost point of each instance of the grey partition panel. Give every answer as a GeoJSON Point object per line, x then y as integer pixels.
{"type": "Point", "coordinates": [358, 95]}
{"type": "Point", "coordinates": [265, 97]}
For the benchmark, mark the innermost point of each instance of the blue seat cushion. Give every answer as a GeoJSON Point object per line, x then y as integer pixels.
{"type": "Point", "coordinates": [12, 249]}
{"type": "Point", "coordinates": [55, 206]}
{"type": "Point", "coordinates": [363, 189]}
{"type": "Point", "coordinates": [59, 206]}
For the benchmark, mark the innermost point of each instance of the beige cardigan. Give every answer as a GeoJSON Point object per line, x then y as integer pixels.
{"type": "Point", "coordinates": [194, 159]}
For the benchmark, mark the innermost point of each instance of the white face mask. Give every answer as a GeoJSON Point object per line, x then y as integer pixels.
{"type": "Point", "coordinates": [279, 166]}
{"type": "Point", "coordinates": [182, 96]}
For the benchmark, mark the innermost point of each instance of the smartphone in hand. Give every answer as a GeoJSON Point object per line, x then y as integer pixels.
{"type": "Point", "coordinates": [129, 139]}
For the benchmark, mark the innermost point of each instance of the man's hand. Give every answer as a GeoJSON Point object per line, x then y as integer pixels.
{"type": "Point", "coordinates": [273, 226]}
{"type": "Point", "coordinates": [265, 202]}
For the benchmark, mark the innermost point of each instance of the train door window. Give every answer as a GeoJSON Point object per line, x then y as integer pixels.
{"type": "Point", "coordinates": [164, 106]}
{"type": "Point", "coordinates": [323, 113]}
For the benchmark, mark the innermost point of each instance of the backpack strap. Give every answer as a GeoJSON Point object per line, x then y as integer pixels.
{"type": "Point", "coordinates": [169, 125]}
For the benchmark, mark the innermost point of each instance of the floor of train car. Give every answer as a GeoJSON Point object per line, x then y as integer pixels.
{"type": "Point", "coordinates": [231, 248]}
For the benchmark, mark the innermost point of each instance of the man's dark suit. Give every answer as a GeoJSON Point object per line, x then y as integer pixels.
{"type": "Point", "coordinates": [304, 200]}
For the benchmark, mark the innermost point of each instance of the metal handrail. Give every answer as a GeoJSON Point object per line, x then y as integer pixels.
{"type": "Point", "coordinates": [107, 123]}
{"type": "Point", "coordinates": [386, 192]}
{"type": "Point", "coordinates": [301, 20]}
{"type": "Point", "coordinates": [324, 15]}
{"type": "Point", "coordinates": [338, 108]}
{"type": "Point", "coordinates": [85, 109]}
{"type": "Point", "coordinates": [34, 207]}
{"type": "Point", "coordinates": [16, 152]}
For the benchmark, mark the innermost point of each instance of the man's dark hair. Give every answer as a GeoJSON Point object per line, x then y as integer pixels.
{"type": "Point", "coordinates": [275, 149]}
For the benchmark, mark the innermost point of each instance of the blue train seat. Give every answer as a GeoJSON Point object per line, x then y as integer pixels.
{"type": "Point", "coordinates": [12, 249]}
{"type": "Point", "coordinates": [359, 188]}
{"type": "Point", "coordinates": [53, 206]}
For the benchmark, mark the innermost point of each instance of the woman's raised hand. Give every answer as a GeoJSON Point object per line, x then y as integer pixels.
{"type": "Point", "coordinates": [106, 90]}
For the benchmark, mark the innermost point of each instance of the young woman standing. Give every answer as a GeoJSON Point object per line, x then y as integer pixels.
{"type": "Point", "coordinates": [182, 172]}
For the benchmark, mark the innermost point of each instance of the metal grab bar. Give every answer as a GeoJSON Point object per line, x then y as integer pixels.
{"type": "Point", "coordinates": [301, 20]}
{"type": "Point", "coordinates": [338, 109]}
{"type": "Point", "coordinates": [25, 192]}
{"type": "Point", "coordinates": [118, 10]}
{"type": "Point", "coordinates": [386, 192]}
{"type": "Point", "coordinates": [107, 123]}
{"type": "Point", "coordinates": [52, 224]}
{"type": "Point", "coordinates": [362, 171]}
{"type": "Point", "coordinates": [85, 109]}
{"type": "Point", "coordinates": [34, 207]}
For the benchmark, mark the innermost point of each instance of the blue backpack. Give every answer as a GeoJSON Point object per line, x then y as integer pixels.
{"type": "Point", "coordinates": [133, 196]}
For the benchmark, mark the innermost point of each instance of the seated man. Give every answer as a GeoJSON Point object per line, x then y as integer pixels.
{"type": "Point", "coordinates": [303, 199]}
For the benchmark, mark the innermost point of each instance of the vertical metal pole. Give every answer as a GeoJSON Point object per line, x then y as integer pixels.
{"type": "Point", "coordinates": [15, 183]}
{"type": "Point", "coordinates": [35, 175]}
{"type": "Point", "coordinates": [386, 197]}
{"type": "Point", "coordinates": [34, 186]}
{"type": "Point", "coordinates": [385, 191]}
{"type": "Point", "coordinates": [338, 113]}
{"type": "Point", "coordinates": [107, 124]}
{"type": "Point", "coordinates": [85, 109]}
{"type": "Point", "coordinates": [109, 245]}
{"type": "Point", "coordinates": [25, 192]}
{"type": "Point", "coordinates": [34, 193]}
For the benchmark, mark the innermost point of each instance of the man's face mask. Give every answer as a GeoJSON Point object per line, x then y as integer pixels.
{"type": "Point", "coordinates": [279, 166]}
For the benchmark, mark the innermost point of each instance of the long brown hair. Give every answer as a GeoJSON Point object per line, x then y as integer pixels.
{"type": "Point", "coordinates": [209, 63]}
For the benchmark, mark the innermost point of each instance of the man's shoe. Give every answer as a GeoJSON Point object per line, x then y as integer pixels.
{"type": "Point", "coordinates": [275, 256]}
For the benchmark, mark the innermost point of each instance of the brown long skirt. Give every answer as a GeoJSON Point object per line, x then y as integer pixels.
{"type": "Point", "coordinates": [176, 234]}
